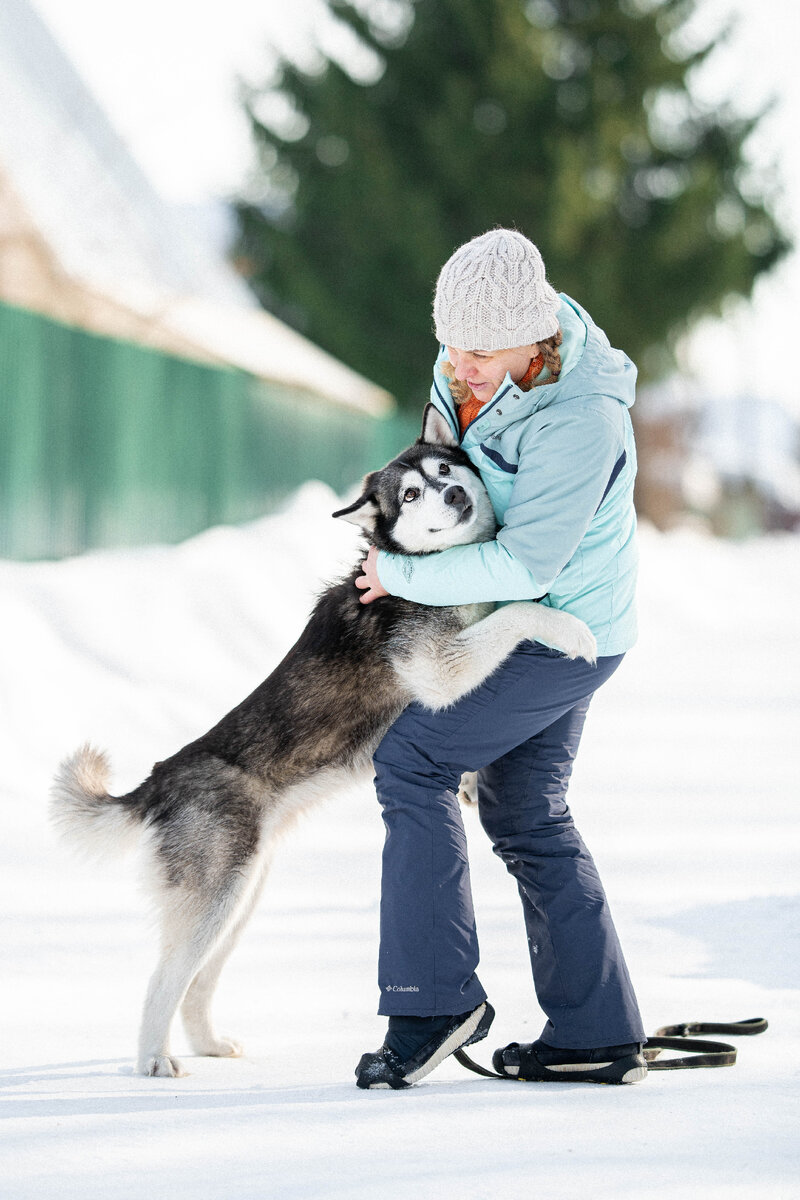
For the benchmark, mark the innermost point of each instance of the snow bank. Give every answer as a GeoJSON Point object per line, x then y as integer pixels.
{"type": "Point", "coordinates": [686, 789]}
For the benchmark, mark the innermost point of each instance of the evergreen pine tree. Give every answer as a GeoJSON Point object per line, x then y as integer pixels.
{"type": "Point", "coordinates": [571, 120]}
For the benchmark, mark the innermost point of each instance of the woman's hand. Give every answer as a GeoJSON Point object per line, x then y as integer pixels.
{"type": "Point", "coordinates": [369, 582]}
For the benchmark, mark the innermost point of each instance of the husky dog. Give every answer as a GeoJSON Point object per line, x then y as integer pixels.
{"type": "Point", "coordinates": [211, 813]}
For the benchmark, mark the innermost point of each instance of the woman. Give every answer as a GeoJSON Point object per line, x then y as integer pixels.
{"type": "Point", "coordinates": [540, 403]}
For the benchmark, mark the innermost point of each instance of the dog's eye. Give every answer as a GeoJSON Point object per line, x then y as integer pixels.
{"type": "Point", "coordinates": [444, 469]}
{"type": "Point", "coordinates": [410, 494]}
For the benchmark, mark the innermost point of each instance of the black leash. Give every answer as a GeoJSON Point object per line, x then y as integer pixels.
{"type": "Point", "coordinates": [702, 1053]}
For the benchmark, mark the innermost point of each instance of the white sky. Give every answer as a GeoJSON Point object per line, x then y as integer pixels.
{"type": "Point", "coordinates": [165, 71]}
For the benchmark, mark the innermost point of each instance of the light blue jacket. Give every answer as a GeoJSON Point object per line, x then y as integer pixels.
{"type": "Point", "coordinates": [559, 464]}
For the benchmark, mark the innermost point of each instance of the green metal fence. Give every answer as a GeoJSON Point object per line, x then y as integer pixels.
{"type": "Point", "coordinates": [104, 443]}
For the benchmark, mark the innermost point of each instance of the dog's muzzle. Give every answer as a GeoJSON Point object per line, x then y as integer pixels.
{"type": "Point", "coordinates": [456, 496]}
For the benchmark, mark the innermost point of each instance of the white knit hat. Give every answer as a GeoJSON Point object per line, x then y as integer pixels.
{"type": "Point", "coordinates": [492, 295]}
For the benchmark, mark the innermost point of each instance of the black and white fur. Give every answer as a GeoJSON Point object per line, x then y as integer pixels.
{"type": "Point", "coordinates": [211, 814]}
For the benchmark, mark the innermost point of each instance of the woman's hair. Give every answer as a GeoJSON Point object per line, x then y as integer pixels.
{"type": "Point", "coordinates": [458, 389]}
{"type": "Point", "coordinates": [548, 348]}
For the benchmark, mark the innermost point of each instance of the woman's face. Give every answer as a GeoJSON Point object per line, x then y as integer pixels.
{"type": "Point", "coordinates": [484, 370]}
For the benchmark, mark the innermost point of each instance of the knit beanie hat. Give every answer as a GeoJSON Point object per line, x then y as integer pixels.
{"type": "Point", "coordinates": [492, 295]}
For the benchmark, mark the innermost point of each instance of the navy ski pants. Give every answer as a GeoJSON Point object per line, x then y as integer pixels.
{"type": "Point", "coordinates": [520, 729]}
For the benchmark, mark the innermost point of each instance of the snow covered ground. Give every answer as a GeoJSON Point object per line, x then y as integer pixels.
{"type": "Point", "coordinates": [686, 788]}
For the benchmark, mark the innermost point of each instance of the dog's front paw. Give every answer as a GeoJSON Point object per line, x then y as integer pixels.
{"type": "Point", "coordinates": [581, 644]}
{"type": "Point", "coordinates": [569, 635]}
{"type": "Point", "coordinates": [162, 1066]}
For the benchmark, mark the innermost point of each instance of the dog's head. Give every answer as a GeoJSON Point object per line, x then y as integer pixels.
{"type": "Point", "coordinates": [429, 498]}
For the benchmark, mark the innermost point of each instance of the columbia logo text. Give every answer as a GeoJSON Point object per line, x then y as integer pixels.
{"type": "Point", "coordinates": [395, 987]}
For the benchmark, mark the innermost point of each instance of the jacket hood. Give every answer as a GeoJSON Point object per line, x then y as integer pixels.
{"type": "Point", "coordinates": [592, 368]}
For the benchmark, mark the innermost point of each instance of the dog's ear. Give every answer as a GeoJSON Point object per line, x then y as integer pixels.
{"type": "Point", "coordinates": [364, 511]}
{"type": "Point", "coordinates": [436, 429]}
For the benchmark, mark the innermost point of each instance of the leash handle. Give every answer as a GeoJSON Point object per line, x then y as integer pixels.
{"type": "Point", "coordinates": [740, 1028]}
{"type": "Point", "coordinates": [702, 1053]}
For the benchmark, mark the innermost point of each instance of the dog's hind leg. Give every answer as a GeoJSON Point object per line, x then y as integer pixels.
{"type": "Point", "coordinates": [193, 925]}
{"type": "Point", "coordinates": [196, 1007]}
{"type": "Point", "coordinates": [468, 788]}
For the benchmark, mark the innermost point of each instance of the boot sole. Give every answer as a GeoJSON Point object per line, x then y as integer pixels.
{"type": "Point", "coordinates": [473, 1029]}
{"type": "Point", "coordinates": [625, 1070]}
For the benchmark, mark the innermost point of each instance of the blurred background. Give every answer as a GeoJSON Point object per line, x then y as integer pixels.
{"type": "Point", "coordinates": [220, 228]}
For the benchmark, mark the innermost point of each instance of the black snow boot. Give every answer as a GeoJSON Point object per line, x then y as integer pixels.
{"type": "Point", "coordinates": [415, 1045]}
{"type": "Point", "coordinates": [540, 1063]}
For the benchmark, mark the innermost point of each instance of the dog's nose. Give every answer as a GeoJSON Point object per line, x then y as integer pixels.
{"type": "Point", "coordinates": [455, 494]}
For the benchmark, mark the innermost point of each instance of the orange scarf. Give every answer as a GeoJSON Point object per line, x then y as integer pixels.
{"type": "Point", "coordinates": [469, 409]}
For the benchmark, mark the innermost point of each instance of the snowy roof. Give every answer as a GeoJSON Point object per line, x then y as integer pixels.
{"type": "Point", "coordinates": [110, 230]}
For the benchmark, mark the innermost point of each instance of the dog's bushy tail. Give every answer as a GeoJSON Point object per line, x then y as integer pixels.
{"type": "Point", "coordinates": [83, 811]}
